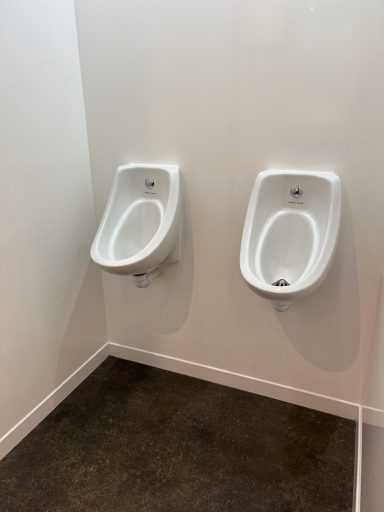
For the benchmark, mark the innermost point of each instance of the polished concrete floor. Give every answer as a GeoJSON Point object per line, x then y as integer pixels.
{"type": "Point", "coordinates": [138, 439]}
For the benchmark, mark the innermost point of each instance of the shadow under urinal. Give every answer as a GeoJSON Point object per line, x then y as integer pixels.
{"type": "Point", "coordinates": [373, 384]}
{"type": "Point", "coordinates": [163, 307]}
{"type": "Point", "coordinates": [325, 327]}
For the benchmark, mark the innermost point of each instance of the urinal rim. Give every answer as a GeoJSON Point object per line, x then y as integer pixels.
{"type": "Point", "coordinates": [321, 266]}
{"type": "Point", "coordinates": [171, 213]}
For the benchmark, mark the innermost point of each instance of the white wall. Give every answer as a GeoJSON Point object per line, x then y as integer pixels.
{"type": "Point", "coordinates": [227, 88]}
{"type": "Point", "coordinates": [372, 461]}
{"type": "Point", "coordinates": [372, 495]}
{"type": "Point", "coordinates": [373, 390]}
{"type": "Point", "coordinates": [51, 304]}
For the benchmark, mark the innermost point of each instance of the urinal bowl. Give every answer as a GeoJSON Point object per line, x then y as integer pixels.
{"type": "Point", "coordinates": [140, 229]}
{"type": "Point", "coordinates": [290, 233]}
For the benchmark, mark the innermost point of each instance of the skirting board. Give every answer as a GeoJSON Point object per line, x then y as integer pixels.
{"type": "Point", "coordinates": [219, 376]}
{"type": "Point", "coordinates": [289, 394]}
{"type": "Point", "coordinates": [34, 417]}
{"type": "Point", "coordinates": [358, 463]}
{"type": "Point", "coordinates": [372, 416]}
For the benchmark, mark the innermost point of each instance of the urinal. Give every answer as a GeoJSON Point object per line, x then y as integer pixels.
{"type": "Point", "coordinates": [290, 233]}
{"type": "Point", "coordinates": [139, 233]}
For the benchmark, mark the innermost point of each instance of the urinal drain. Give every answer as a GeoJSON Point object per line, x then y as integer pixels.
{"type": "Point", "coordinates": [280, 282]}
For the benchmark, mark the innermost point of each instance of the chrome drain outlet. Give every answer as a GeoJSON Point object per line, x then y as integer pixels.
{"type": "Point", "coordinates": [280, 282]}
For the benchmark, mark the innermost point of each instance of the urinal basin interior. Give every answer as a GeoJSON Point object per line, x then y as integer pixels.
{"type": "Point", "coordinates": [134, 230]}
{"type": "Point", "coordinates": [288, 237]}
{"type": "Point", "coordinates": [287, 248]}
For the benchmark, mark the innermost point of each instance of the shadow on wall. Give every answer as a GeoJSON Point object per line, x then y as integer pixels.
{"type": "Point", "coordinates": [84, 331]}
{"type": "Point", "coordinates": [372, 482]}
{"type": "Point", "coordinates": [373, 390]}
{"type": "Point", "coordinates": [163, 310]}
{"type": "Point", "coordinates": [325, 326]}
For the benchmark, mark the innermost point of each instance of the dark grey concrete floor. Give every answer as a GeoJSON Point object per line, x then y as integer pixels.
{"type": "Point", "coordinates": [138, 439]}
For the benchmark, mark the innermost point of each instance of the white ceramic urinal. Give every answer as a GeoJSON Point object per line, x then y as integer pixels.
{"type": "Point", "coordinates": [140, 230]}
{"type": "Point", "coordinates": [290, 233]}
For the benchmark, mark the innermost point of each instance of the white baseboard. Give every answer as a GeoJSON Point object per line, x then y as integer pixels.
{"type": "Point", "coordinates": [236, 380]}
{"type": "Point", "coordinates": [358, 463]}
{"type": "Point", "coordinates": [373, 416]}
{"type": "Point", "coordinates": [34, 417]}
{"type": "Point", "coordinates": [217, 375]}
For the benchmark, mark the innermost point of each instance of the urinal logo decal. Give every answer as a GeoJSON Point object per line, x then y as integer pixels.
{"type": "Point", "coordinates": [149, 185]}
{"type": "Point", "coordinates": [296, 193]}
